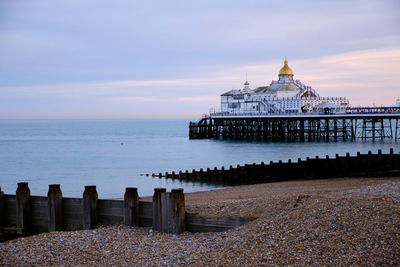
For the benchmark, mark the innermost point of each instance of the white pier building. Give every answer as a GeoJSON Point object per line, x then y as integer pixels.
{"type": "Point", "coordinates": [284, 96]}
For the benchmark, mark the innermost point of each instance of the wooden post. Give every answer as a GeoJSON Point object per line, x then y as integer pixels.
{"type": "Point", "coordinates": [177, 212]}
{"type": "Point", "coordinates": [55, 205]}
{"type": "Point", "coordinates": [157, 220]}
{"type": "Point", "coordinates": [2, 215]}
{"type": "Point", "coordinates": [172, 211]}
{"type": "Point", "coordinates": [131, 207]}
{"type": "Point", "coordinates": [23, 196]}
{"type": "Point", "coordinates": [89, 207]}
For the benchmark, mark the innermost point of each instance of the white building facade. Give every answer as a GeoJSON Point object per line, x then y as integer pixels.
{"type": "Point", "coordinates": [284, 96]}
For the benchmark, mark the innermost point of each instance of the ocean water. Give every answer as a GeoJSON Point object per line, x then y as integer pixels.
{"type": "Point", "coordinates": [114, 154]}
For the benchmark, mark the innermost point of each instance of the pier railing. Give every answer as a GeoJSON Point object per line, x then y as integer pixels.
{"type": "Point", "coordinates": [330, 111]}
{"type": "Point", "coordinates": [361, 165]}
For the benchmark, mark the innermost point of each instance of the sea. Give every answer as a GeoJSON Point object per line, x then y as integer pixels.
{"type": "Point", "coordinates": [117, 153]}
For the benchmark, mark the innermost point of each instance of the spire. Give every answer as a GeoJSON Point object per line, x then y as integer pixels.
{"type": "Point", "coordinates": [246, 83]}
{"type": "Point", "coordinates": [285, 70]}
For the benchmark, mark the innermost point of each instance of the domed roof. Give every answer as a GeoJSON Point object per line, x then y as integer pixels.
{"type": "Point", "coordinates": [246, 83]}
{"type": "Point", "coordinates": [285, 69]}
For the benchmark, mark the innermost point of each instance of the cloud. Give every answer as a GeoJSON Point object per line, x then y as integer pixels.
{"type": "Point", "coordinates": [134, 100]}
{"type": "Point", "coordinates": [366, 77]}
{"type": "Point", "coordinates": [197, 99]}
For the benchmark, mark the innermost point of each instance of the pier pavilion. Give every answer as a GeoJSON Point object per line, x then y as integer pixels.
{"type": "Point", "coordinates": [288, 110]}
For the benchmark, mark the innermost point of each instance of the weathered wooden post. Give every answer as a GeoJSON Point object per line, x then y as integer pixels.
{"type": "Point", "coordinates": [391, 158]}
{"type": "Point", "coordinates": [23, 196]}
{"type": "Point", "coordinates": [201, 174]}
{"type": "Point", "coordinates": [221, 177]}
{"type": "Point", "coordinates": [131, 207]}
{"type": "Point", "coordinates": [55, 208]}
{"type": "Point", "coordinates": [215, 175]}
{"type": "Point", "coordinates": [172, 211]}
{"type": "Point", "coordinates": [89, 207]}
{"type": "Point", "coordinates": [194, 175]}
{"type": "Point", "coordinates": [157, 219]}
{"type": "Point", "coordinates": [1, 208]}
{"type": "Point", "coordinates": [177, 212]}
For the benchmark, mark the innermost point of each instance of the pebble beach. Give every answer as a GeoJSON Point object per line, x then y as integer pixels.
{"type": "Point", "coordinates": [346, 221]}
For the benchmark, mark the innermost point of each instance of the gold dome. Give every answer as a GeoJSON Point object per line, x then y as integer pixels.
{"type": "Point", "coordinates": [285, 69]}
{"type": "Point", "coordinates": [246, 83]}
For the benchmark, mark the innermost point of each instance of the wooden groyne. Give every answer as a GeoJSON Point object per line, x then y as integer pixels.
{"type": "Point", "coordinates": [22, 214]}
{"type": "Point", "coordinates": [360, 165]}
{"type": "Point", "coordinates": [298, 127]}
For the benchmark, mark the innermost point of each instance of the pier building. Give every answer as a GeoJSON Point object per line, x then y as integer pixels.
{"type": "Point", "coordinates": [288, 110]}
{"type": "Point", "coordinates": [283, 96]}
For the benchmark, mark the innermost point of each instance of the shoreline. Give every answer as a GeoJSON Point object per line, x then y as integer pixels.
{"type": "Point", "coordinates": [341, 221]}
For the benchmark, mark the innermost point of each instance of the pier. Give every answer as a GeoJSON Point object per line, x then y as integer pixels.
{"type": "Point", "coordinates": [355, 124]}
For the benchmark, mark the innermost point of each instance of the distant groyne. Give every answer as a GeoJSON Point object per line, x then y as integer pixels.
{"type": "Point", "coordinates": [360, 165]}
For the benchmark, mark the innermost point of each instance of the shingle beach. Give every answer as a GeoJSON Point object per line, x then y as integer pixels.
{"type": "Point", "coordinates": [343, 221]}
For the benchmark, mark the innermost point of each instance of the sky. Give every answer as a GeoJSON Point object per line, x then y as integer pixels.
{"type": "Point", "coordinates": [170, 59]}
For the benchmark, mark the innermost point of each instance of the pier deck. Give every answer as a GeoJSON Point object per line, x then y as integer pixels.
{"type": "Point", "coordinates": [295, 127]}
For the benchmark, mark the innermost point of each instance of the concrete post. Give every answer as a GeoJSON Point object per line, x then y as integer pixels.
{"type": "Point", "coordinates": [23, 195]}
{"type": "Point", "coordinates": [157, 220]}
{"type": "Point", "coordinates": [89, 207]}
{"type": "Point", "coordinates": [131, 207]}
{"type": "Point", "coordinates": [55, 205]}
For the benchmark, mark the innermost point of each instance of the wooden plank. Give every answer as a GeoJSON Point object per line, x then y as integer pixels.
{"type": "Point", "coordinates": [10, 210]}
{"type": "Point", "coordinates": [39, 209]}
{"type": "Point", "coordinates": [110, 207]}
{"type": "Point", "coordinates": [72, 214]}
{"type": "Point", "coordinates": [145, 214]}
{"type": "Point", "coordinates": [109, 218]}
{"type": "Point", "coordinates": [201, 223]}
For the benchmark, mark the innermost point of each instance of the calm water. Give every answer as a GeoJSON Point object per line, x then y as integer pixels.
{"type": "Point", "coordinates": [75, 153]}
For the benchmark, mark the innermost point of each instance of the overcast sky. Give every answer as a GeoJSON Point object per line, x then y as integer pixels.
{"type": "Point", "coordinates": [95, 59]}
